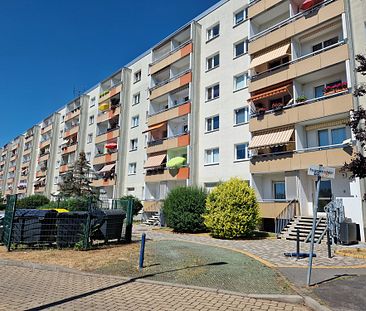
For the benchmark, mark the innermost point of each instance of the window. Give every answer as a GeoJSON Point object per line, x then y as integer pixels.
{"type": "Point", "coordinates": [88, 156]}
{"type": "Point", "coordinates": [338, 135]}
{"type": "Point", "coordinates": [137, 76]}
{"type": "Point", "coordinates": [133, 144]}
{"type": "Point", "coordinates": [92, 102]}
{"type": "Point", "coordinates": [213, 32]}
{"type": "Point", "coordinates": [241, 115]}
{"type": "Point", "coordinates": [61, 132]}
{"type": "Point", "coordinates": [132, 168]}
{"type": "Point", "coordinates": [212, 62]}
{"type": "Point", "coordinates": [319, 91]}
{"type": "Point", "coordinates": [279, 190]}
{"type": "Point", "coordinates": [135, 121]}
{"type": "Point", "coordinates": [240, 16]}
{"type": "Point", "coordinates": [325, 194]}
{"type": "Point", "coordinates": [323, 138]}
{"type": "Point", "coordinates": [212, 124]}
{"type": "Point", "coordinates": [240, 48]}
{"type": "Point", "coordinates": [136, 99]}
{"type": "Point", "coordinates": [212, 156]}
{"type": "Point", "coordinates": [90, 138]}
{"type": "Point", "coordinates": [213, 92]}
{"type": "Point", "coordinates": [324, 44]}
{"type": "Point", "coordinates": [91, 120]}
{"type": "Point", "coordinates": [241, 151]}
{"type": "Point", "coordinates": [240, 81]}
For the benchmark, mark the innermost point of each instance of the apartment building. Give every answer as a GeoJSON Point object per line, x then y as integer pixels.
{"type": "Point", "coordinates": [259, 90]}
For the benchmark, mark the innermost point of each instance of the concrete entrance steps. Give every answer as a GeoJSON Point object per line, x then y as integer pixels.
{"type": "Point", "coordinates": [304, 224]}
{"type": "Point", "coordinates": [154, 220]}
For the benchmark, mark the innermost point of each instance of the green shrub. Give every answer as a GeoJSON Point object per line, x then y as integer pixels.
{"type": "Point", "coordinates": [137, 205]}
{"type": "Point", "coordinates": [33, 201]}
{"type": "Point", "coordinates": [71, 204]}
{"type": "Point", "coordinates": [232, 210]}
{"type": "Point", "coordinates": [183, 209]}
{"type": "Point", "coordinates": [2, 207]}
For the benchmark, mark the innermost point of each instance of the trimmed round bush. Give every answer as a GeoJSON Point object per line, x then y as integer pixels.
{"type": "Point", "coordinates": [232, 210]}
{"type": "Point", "coordinates": [183, 209]}
{"type": "Point", "coordinates": [33, 201]}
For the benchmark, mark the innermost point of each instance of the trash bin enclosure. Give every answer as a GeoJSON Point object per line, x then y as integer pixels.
{"type": "Point", "coordinates": [111, 226]}
{"type": "Point", "coordinates": [70, 228]}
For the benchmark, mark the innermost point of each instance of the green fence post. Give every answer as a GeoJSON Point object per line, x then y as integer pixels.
{"type": "Point", "coordinates": [87, 226]}
{"type": "Point", "coordinates": [9, 220]}
{"type": "Point", "coordinates": [129, 219]}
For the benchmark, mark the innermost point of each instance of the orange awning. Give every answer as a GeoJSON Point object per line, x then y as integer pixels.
{"type": "Point", "coordinates": [155, 161]}
{"type": "Point", "coordinates": [154, 127]}
{"type": "Point", "coordinates": [271, 55]}
{"type": "Point", "coordinates": [280, 90]}
{"type": "Point", "coordinates": [272, 138]}
{"type": "Point", "coordinates": [107, 168]}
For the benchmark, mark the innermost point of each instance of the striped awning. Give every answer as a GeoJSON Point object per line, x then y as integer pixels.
{"type": "Point", "coordinates": [154, 127]}
{"type": "Point", "coordinates": [327, 124]}
{"type": "Point", "coordinates": [272, 138]}
{"type": "Point", "coordinates": [155, 161]}
{"type": "Point", "coordinates": [270, 55]}
{"type": "Point", "coordinates": [107, 168]}
{"type": "Point", "coordinates": [277, 91]}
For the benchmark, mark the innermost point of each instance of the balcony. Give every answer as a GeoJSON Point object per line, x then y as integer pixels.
{"type": "Point", "coordinates": [105, 158]}
{"type": "Point", "coordinates": [44, 157]}
{"type": "Point", "coordinates": [72, 131]}
{"type": "Point", "coordinates": [45, 143]}
{"type": "Point", "coordinates": [41, 173]}
{"type": "Point", "coordinates": [72, 114]}
{"type": "Point", "coordinates": [27, 151]}
{"type": "Point", "coordinates": [13, 158]}
{"type": "Point", "coordinates": [261, 6]}
{"type": "Point", "coordinates": [69, 149]}
{"type": "Point", "coordinates": [114, 90]}
{"type": "Point", "coordinates": [109, 135]}
{"type": "Point", "coordinates": [41, 189]}
{"type": "Point", "coordinates": [168, 143]}
{"type": "Point", "coordinates": [109, 114]}
{"type": "Point", "coordinates": [162, 174]}
{"type": "Point", "coordinates": [63, 168]}
{"type": "Point", "coordinates": [22, 191]}
{"type": "Point", "coordinates": [271, 209]}
{"type": "Point", "coordinates": [171, 85]}
{"type": "Point", "coordinates": [333, 156]}
{"type": "Point", "coordinates": [46, 129]}
{"type": "Point", "coordinates": [168, 114]}
{"type": "Point", "coordinates": [295, 25]}
{"type": "Point", "coordinates": [304, 65]}
{"type": "Point", "coordinates": [298, 112]}
{"type": "Point", "coordinates": [104, 182]}
{"type": "Point", "coordinates": [12, 169]}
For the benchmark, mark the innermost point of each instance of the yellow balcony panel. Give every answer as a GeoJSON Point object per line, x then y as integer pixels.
{"type": "Point", "coordinates": [107, 158]}
{"type": "Point", "coordinates": [72, 114]}
{"type": "Point", "coordinates": [113, 91]}
{"type": "Point", "coordinates": [300, 68]}
{"type": "Point", "coordinates": [171, 86]}
{"type": "Point", "coordinates": [71, 131]}
{"type": "Point", "coordinates": [171, 58]}
{"type": "Point", "coordinates": [297, 26]}
{"type": "Point", "coordinates": [322, 108]}
{"type": "Point", "coordinates": [111, 113]}
{"type": "Point", "coordinates": [69, 149]}
{"type": "Point", "coordinates": [169, 114]}
{"type": "Point", "coordinates": [45, 143]}
{"type": "Point", "coordinates": [170, 143]}
{"type": "Point", "coordinates": [103, 183]}
{"type": "Point", "coordinates": [44, 157]}
{"type": "Point", "coordinates": [46, 129]}
{"type": "Point", "coordinates": [271, 209]}
{"type": "Point", "coordinates": [107, 136]}
{"type": "Point", "coordinates": [167, 175]}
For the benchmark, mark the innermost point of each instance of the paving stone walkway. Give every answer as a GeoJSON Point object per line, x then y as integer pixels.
{"type": "Point", "coordinates": [24, 288]}
{"type": "Point", "coordinates": [269, 251]}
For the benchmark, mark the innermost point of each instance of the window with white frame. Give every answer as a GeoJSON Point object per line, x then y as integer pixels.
{"type": "Point", "coordinates": [240, 16]}
{"type": "Point", "coordinates": [135, 121]}
{"type": "Point", "coordinates": [92, 102]}
{"type": "Point", "coordinates": [136, 98]}
{"type": "Point", "coordinates": [132, 168]}
{"type": "Point", "coordinates": [89, 138]}
{"type": "Point", "coordinates": [212, 123]}
{"type": "Point", "coordinates": [212, 92]}
{"type": "Point", "coordinates": [137, 76]}
{"type": "Point", "coordinates": [242, 152]}
{"type": "Point", "coordinates": [212, 156]}
{"type": "Point", "coordinates": [240, 81]}
{"type": "Point", "coordinates": [241, 115]}
{"type": "Point", "coordinates": [240, 48]}
{"type": "Point", "coordinates": [133, 144]}
{"type": "Point", "coordinates": [213, 61]}
{"type": "Point", "coordinates": [213, 32]}
{"type": "Point", "coordinates": [91, 120]}
{"type": "Point", "coordinates": [333, 136]}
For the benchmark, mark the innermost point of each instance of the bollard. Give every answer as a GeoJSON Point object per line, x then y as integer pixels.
{"type": "Point", "coordinates": [329, 243]}
{"type": "Point", "coordinates": [142, 252]}
{"type": "Point", "coordinates": [297, 244]}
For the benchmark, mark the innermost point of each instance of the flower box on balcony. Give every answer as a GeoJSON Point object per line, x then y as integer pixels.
{"type": "Point", "coordinates": [335, 88]}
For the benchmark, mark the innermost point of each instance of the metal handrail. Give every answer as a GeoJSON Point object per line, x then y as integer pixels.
{"type": "Point", "coordinates": [316, 226]}
{"type": "Point", "coordinates": [284, 218]}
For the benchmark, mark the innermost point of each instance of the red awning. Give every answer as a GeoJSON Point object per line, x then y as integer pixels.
{"type": "Point", "coordinates": [277, 91]}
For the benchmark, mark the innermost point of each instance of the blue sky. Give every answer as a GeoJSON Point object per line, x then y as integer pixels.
{"type": "Point", "coordinates": [51, 47]}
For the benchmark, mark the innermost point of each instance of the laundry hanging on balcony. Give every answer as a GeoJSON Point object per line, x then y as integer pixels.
{"type": "Point", "coordinates": [176, 162]}
{"type": "Point", "coordinates": [155, 161]}
{"type": "Point", "coordinates": [273, 54]}
{"type": "Point", "coordinates": [272, 138]}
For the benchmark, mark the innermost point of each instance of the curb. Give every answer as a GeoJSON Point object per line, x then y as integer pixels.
{"type": "Point", "coordinates": [314, 305]}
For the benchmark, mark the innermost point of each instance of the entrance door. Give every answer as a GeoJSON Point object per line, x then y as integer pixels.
{"type": "Point", "coordinates": [325, 194]}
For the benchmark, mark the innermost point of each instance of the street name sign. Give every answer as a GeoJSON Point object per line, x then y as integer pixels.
{"type": "Point", "coordinates": [321, 171]}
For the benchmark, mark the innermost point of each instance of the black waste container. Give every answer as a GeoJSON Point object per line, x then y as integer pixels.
{"type": "Point", "coordinates": [70, 228]}
{"type": "Point", "coordinates": [111, 227]}
{"type": "Point", "coordinates": [32, 226]}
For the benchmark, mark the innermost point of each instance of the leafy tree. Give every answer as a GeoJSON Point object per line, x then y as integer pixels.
{"type": "Point", "coordinates": [137, 205]}
{"type": "Point", "coordinates": [232, 210]}
{"type": "Point", "coordinates": [78, 181]}
{"type": "Point", "coordinates": [33, 201]}
{"type": "Point", "coordinates": [183, 209]}
{"type": "Point", "coordinates": [357, 166]}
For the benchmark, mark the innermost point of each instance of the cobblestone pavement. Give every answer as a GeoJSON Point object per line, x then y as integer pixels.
{"type": "Point", "coordinates": [23, 288]}
{"type": "Point", "coordinates": [269, 251]}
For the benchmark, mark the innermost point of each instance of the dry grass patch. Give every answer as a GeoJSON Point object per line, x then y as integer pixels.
{"type": "Point", "coordinates": [352, 252]}
{"type": "Point", "coordinates": [81, 260]}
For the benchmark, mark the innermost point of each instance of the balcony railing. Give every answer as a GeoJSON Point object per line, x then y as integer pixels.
{"type": "Point", "coordinates": [171, 52]}
{"type": "Point", "coordinates": [170, 79]}
{"type": "Point", "coordinates": [107, 131]}
{"type": "Point", "coordinates": [169, 108]}
{"type": "Point", "coordinates": [160, 141]}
